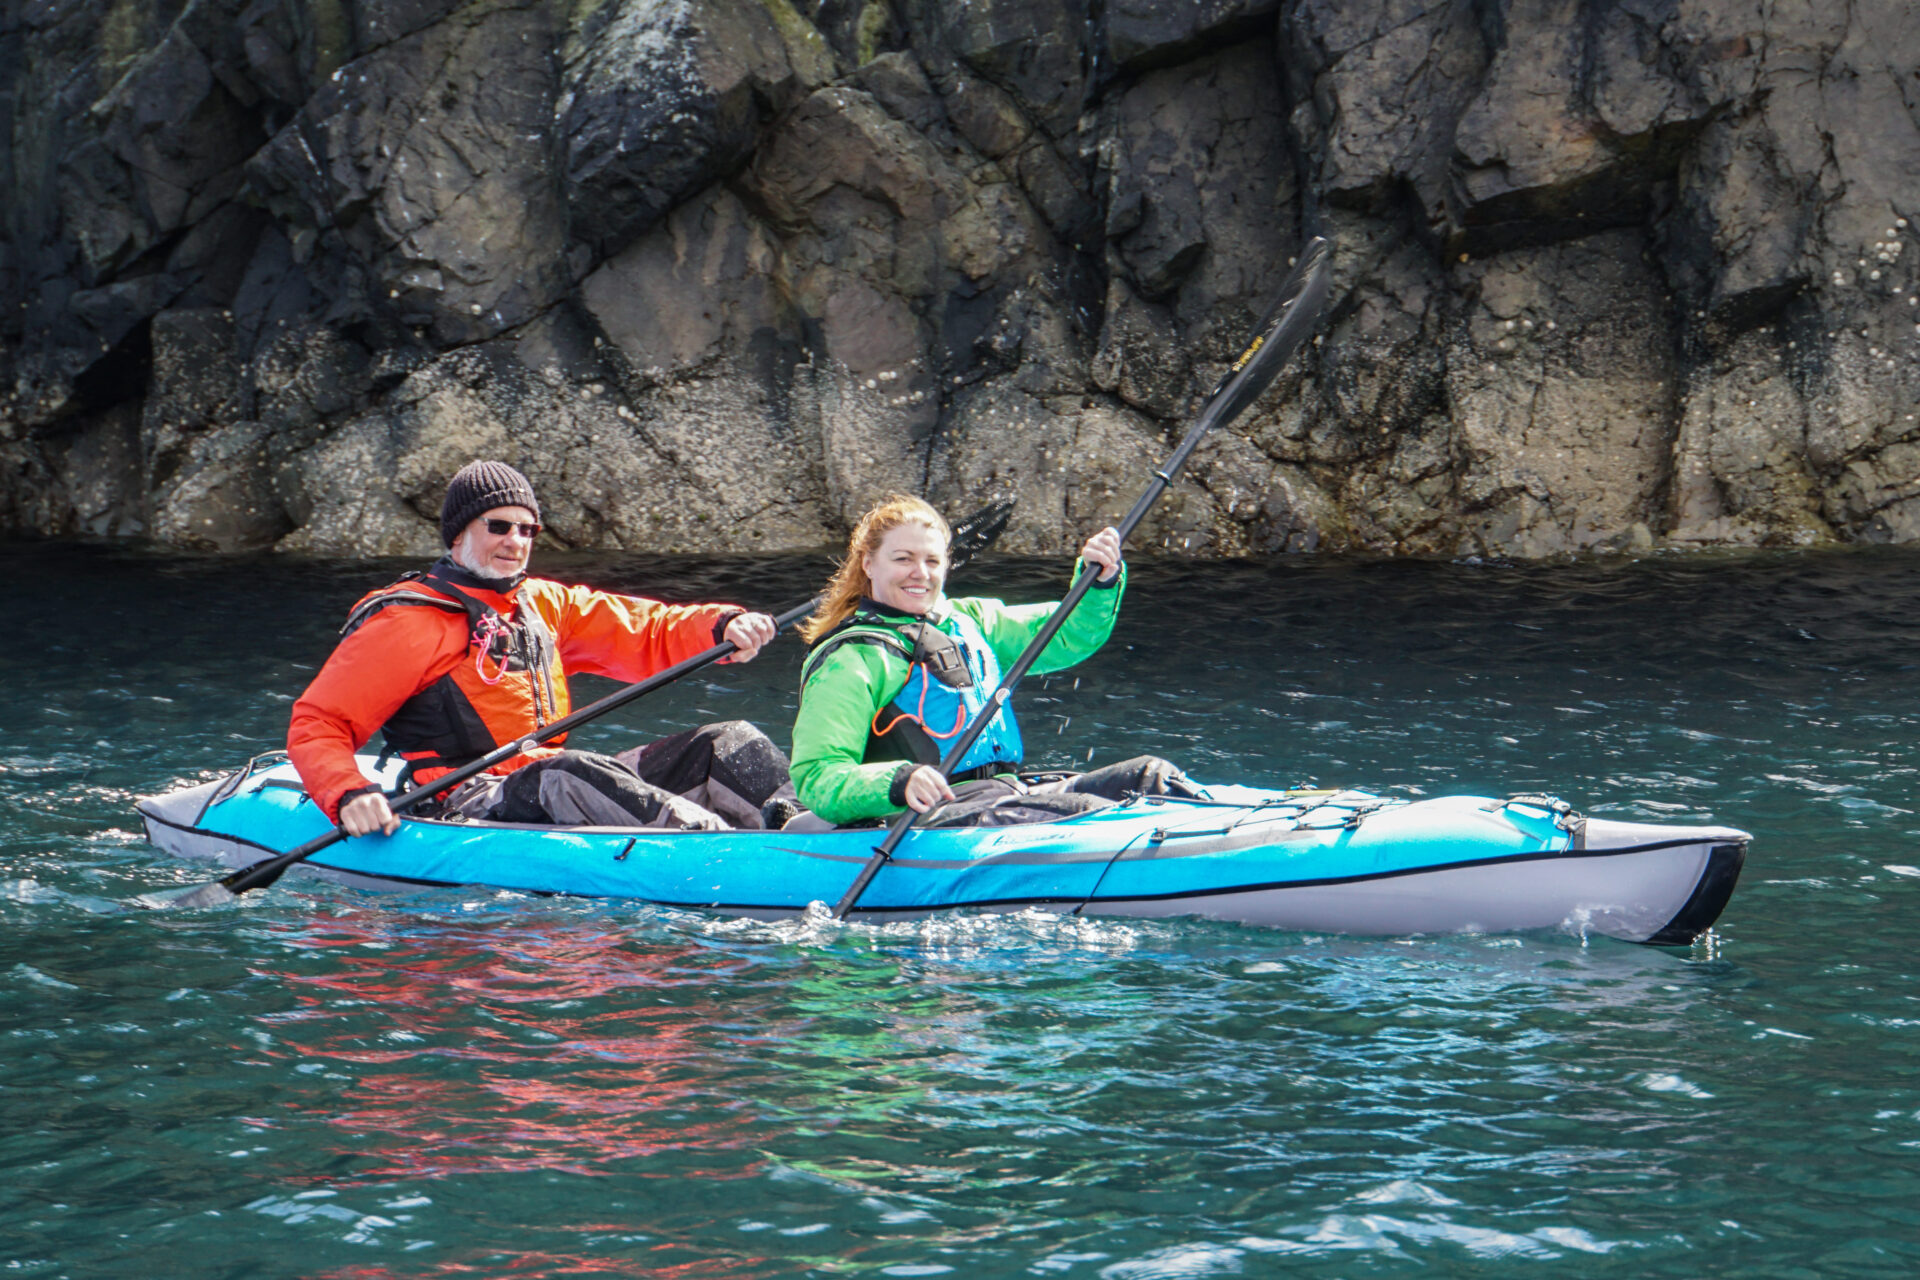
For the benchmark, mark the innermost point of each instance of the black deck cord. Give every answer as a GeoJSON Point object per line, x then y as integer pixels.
{"type": "Point", "coordinates": [1302, 296]}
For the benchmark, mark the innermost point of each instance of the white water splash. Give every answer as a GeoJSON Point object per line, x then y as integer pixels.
{"type": "Point", "coordinates": [946, 930]}
{"type": "Point", "coordinates": [1660, 1082]}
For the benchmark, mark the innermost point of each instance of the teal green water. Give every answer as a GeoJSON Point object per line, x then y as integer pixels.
{"type": "Point", "coordinates": [321, 1082]}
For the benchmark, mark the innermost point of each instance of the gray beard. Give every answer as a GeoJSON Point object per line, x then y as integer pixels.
{"type": "Point", "coordinates": [458, 554]}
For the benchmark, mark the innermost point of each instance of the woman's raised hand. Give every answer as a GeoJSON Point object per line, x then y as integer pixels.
{"type": "Point", "coordinates": [1103, 549]}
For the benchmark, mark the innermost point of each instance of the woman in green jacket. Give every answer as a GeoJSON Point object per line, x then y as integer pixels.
{"type": "Point", "coordinates": [896, 670]}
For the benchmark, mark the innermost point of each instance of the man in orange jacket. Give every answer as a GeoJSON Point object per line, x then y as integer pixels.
{"type": "Point", "coordinates": [473, 653]}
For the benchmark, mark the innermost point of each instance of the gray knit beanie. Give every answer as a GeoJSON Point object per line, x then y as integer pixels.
{"type": "Point", "coordinates": [479, 487]}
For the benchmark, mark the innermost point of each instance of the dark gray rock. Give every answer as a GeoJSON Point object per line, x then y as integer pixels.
{"type": "Point", "coordinates": [289, 48]}
{"type": "Point", "coordinates": [205, 465]}
{"type": "Point", "coordinates": [212, 256]}
{"type": "Point", "coordinates": [985, 115]}
{"type": "Point", "coordinates": [273, 292]}
{"type": "Point", "coordinates": [1140, 34]}
{"type": "Point", "coordinates": [1740, 467]}
{"type": "Point", "coordinates": [661, 99]}
{"type": "Point", "coordinates": [1556, 365]}
{"type": "Point", "coordinates": [305, 376]}
{"type": "Point", "coordinates": [1033, 49]}
{"type": "Point", "coordinates": [1260, 506]}
{"type": "Point", "coordinates": [195, 386]}
{"type": "Point", "coordinates": [1202, 203]}
{"type": "Point", "coordinates": [1141, 358]}
{"type": "Point", "coordinates": [611, 470]}
{"type": "Point", "coordinates": [34, 496]}
{"type": "Point", "coordinates": [87, 480]}
{"type": "Point", "coordinates": [381, 22]}
{"type": "Point", "coordinates": [180, 134]}
{"type": "Point", "coordinates": [430, 165]}
{"type": "Point", "coordinates": [863, 203]}
{"type": "Point", "coordinates": [707, 358]}
{"type": "Point", "coordinates": [221, 498]}
{"type": "Point", "coordinates": [84, 349]}
{"type": "Point", "coordinates": [859, 31]}
{"type": "Point", "coordinates": [1583, 113]}
{"type": "Point", "coordinates": [1791, 241]}
{"type": "Point", "coordinates": [897, 82]}
{"type": "Point", "coordinates": [101, 478]}
{"type": "Point", "coordinates": [1074, 467]}
{"type": "Point", "coordinates": [1380, 90]}
{"type": "Point", "coordinates": [701, 291]}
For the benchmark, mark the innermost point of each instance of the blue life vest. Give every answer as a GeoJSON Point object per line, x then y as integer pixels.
{"type": "Point", "coordinates": [951, 674]}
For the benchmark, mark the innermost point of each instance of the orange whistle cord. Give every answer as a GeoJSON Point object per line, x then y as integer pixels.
{"type": "Point", "coordinates": [926, 679]}
{"type": "Point", "coordinates": [483, 637]}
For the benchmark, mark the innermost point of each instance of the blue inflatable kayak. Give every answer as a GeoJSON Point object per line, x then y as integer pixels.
{"type": "Point", "coordinates": [1320, 861]}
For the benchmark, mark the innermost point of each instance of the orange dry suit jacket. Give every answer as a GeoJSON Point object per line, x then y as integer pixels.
{"type": "Point", "coordinates": [451, 678]}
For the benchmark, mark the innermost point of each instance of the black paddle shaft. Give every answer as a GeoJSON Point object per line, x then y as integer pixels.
{"type": "Point", "coordinates": [970, 537]}
{"type": "Point", "coordinates": [1282, 329]}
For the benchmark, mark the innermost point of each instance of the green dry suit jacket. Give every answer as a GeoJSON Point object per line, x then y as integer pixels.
{"type": "Point", "coordinates": [841, 695]}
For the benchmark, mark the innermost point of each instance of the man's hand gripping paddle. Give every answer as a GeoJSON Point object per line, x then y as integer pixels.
{"type": "Point", "coordinates": [1302, 297]}
{"type": "Point", "coordinates": [971, 536]}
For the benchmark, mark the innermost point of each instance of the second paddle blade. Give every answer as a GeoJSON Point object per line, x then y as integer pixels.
{"type": "Point", "coordinates": [975, 533]}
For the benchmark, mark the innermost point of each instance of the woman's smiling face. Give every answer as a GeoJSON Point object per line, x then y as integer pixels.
{"type": "Point", "coordinates": [908, 569]}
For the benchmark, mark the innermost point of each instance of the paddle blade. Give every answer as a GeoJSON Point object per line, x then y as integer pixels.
{"type": "Point", "coordinates": [265, 872]}
{"type": "Point", "coordinates": [207, 895]}
{"type": "Point", "coordinates": [1303, 295]}
{"type": "Point", "coordinates": [976, 532]}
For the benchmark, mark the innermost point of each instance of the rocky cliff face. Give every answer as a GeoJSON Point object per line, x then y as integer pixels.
{"type": "Point", "coordinates": [716, 273]}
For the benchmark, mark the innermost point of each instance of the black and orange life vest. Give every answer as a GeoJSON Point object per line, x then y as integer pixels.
{"type": "Point", "coordinates": [510, 684]}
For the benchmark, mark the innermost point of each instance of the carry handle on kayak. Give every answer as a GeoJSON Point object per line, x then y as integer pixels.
{"type": "Point", "coordinates": [971, 536]}
{"type": "Point", "coordinates": [1302, 297]}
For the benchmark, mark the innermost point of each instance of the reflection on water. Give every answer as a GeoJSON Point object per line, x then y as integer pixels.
{"type": "Point", "coordinates": [944, 1085]}
{"type": "Point", "coordinates": [505, 1051]}
{"type": "Point", "coordinates": [321, 1082]}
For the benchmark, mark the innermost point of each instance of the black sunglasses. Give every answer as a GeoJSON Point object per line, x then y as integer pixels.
{"type": "Point", "coordinates": [501, 528]}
